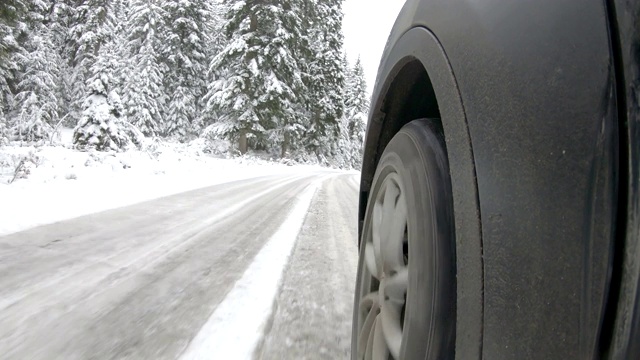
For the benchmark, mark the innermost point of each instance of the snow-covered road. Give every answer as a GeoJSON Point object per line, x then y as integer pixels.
{"type": "Point", "coordinates": [168, 278]}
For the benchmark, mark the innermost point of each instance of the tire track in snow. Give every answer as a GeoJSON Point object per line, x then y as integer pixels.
{"type": "Point", "coordinates": [154, 255]}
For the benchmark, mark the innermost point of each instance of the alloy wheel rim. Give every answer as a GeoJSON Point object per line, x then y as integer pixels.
{"type": "Point", "coordinates": [385, 275]}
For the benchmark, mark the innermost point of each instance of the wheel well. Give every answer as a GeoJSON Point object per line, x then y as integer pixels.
{"type": "Point", "coordinates": [409, 95]}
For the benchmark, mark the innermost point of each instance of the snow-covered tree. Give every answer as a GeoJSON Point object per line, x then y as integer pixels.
{"type": "Point", "coordinates": [36, 98]}
{"type": "Point", "coordinates": [355, 115]}
{"type": "Point", "coordinates": [109, 63]}
{"type": "Point", "coordinates": [144, 95]}
{"type": "Point", "coordinates": [36, 76]}
{"type": "Point", "coordinates": [102, 126]}
{"type": "Point", "coordinates": [111, 57]}
{"type": "Point", "coordinates": [258, 80]}
{"type": "Point", "coordinates": [59, 17]}
{"type": "Point", "coordinates": [91, 25]}
{"type": "Point", "coordinates": [187, 25]}
{"type": "Point", "coordinates": [356, 99]}
{"type": "Point", "coordinates": [217, 39]}
{"type": "Point", "coordinates": [12, 13]}
{"type": "Point", "coordinates": [325, 78]}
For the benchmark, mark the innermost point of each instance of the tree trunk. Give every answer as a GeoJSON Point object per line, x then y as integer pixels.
{"type": "Point", "coordinates": [242, 143]}
{"type": "Point", "coordinates": [253, 22]}
{"type": "Point", "coordinates": [285, 145]}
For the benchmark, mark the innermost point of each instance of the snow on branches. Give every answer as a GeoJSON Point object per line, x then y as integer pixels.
{"type": "Point", "coordinates": [102, 126]}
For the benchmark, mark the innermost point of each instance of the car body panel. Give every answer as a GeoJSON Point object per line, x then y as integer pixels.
{"type": "Point", "coordinates": [537, 84]}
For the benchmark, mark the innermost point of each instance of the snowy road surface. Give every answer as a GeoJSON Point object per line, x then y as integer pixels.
{"type": "Point", "coordinates": [167, 278]}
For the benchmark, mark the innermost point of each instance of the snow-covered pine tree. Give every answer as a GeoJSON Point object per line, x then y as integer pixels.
{"type": "Point", "coordinates": [187, 25]}
{"type": "Point", "coordinates": [91, 25]}
{"type": "Point", "coordinates": [111, 57]}
{"type": "Point", "coordinates": [144, 97]}
{"type": "Point", "coordinates": [217, 39]}
{"type": "Point", "coordinates": [325, 78]}
{"type": "Point", "coordinates": [37, 88]}
{"type": "Point", "coordinates": [111, 61]}
{"type": "Point", "coordinates": [355, 115]}
{"type": "Point", "coordinates": [11, 18]}
{"type": "Point", "coordinates": [11, 12]}
{"type": "Point", "coordinates": [102, 126]}
{"type": "Point", "coordinates": [258, 77]}
{"type": "Point", "coordinates": [60, 20]}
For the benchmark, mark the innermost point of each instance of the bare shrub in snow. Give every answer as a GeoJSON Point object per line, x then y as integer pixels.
{"type": "Point", "coordinates": [24, 166]}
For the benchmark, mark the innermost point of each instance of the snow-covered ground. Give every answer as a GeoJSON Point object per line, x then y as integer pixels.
{"type": "Point", "coordinates": [57, 182]}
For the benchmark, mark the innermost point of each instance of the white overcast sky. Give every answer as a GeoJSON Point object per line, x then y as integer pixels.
{"type": "Point", "coordinates": [366, 26]}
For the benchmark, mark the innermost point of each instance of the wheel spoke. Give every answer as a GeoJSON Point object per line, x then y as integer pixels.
{"type": "Point", "coordinates": [392, 255]}
{"type": "Point", "coordinates": [394, 223]}
{"type": "Point", "coordinates": [370, 301]}
{"type": "Point", "coordinates": [369, 305]}
{"type": "Point", "coordinates": [399, 221]}
{"type": "Point", "coordinates": [370, 260]}
{"type": "Point", "coordinates": [391, 193]}
{"type": "Point", "coordinates": [395, 287]}
{"type": "Point", "coordinates": [376, 233]}
{"type": "Point", "coordinates": [380, 350]}
{"type": "Point", "coordinates": [368, 355]}
{"type": "Point", "coordinates": [390, 321]}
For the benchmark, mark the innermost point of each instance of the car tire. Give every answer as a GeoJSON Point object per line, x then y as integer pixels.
{"type": "Point", "coordinates": [406, 282]}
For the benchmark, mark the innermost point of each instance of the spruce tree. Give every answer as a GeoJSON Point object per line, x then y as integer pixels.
{"type": "Point", "coordinates": [12, 13]}
{"type": "Point", "coordinates": [91, 25]}
{"type": "Point", "coordinates": [325, 78]}
{"type": "Point", "coordinates": [257, 76]}
{"type": "Point", "coordinates": [102, 125]}
{"type": "Point", "coordinates": [111, 58]}
{"type": "Point", "coordinates": [38, 81]}
{"type": "Point", "coordinates": [60, 20]}
{"type": "Point", "coordinates": [355, 116]}
{"type": "Point", "coordinates": [144, 96]}
{"type": "Point", "coordinates": [185, 37]}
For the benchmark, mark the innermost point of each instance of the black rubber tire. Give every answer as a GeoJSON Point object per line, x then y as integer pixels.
{"type": "Point", "coordinates": [417, 153]}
